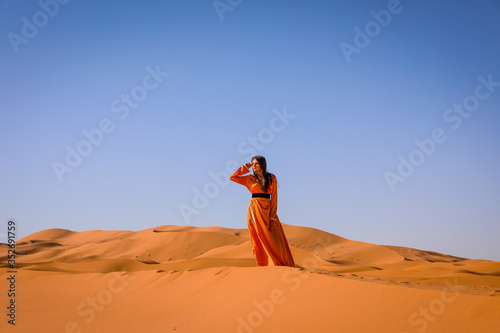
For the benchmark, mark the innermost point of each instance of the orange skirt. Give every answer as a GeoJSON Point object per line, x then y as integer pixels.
{"type": "Point", "coordinates": [267, 235]}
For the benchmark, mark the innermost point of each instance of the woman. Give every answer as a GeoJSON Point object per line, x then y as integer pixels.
{"type": "Point", "coordinates": [266, 233]}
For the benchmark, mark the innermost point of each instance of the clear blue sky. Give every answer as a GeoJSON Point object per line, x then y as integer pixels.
{"type": "Point", "coordinates": [355, 85]}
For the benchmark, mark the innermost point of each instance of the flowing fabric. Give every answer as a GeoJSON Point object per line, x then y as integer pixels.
{"type": "Point", "coordinates": [266, 233]}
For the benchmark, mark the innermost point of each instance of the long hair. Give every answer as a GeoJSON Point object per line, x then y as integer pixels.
{"type": "Point", "coordinates": [268, 177]}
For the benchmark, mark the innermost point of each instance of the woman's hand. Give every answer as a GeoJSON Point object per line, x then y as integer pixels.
{"type": "Point", "coordinates": [248, 165]}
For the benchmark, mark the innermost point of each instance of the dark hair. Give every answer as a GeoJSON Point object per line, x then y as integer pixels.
{"type": "Point", "coordinates": [268, 177]}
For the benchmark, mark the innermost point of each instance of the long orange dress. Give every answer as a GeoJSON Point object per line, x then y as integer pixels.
{"type": "Point", "coordinates": [266, 232]}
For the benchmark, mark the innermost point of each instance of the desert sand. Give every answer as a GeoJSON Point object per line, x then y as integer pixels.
{"type": "Point", "coordinates": [204, 279]}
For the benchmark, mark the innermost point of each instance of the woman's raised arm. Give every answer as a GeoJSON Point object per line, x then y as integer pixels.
{"type": "Point", "coordinates": [241, 175]}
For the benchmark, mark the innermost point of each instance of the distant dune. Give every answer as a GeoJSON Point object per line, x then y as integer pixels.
{"type": "Point", "coordinates": [193, 279]}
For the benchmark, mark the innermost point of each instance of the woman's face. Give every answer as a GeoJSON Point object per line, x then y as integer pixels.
{"type": "Point", "coordinates": [255, 166]}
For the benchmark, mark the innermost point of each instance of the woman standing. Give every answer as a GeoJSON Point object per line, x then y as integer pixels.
{"type": "Point", "coordinates": [266, 232]}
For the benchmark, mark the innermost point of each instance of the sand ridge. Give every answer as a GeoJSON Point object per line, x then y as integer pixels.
{"type": "Point", "coordinates": [191, 279]}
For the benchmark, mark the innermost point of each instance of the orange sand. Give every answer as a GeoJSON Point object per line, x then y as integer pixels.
{"type": "Point", "coordinates": [189, 279]}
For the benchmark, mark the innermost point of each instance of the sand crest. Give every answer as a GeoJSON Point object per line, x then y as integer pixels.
{"type": "Point", "coordinates": [190, 279]}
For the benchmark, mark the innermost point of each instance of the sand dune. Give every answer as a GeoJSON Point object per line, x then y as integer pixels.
{"type": "Point", "coordinates": [189, 279]}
